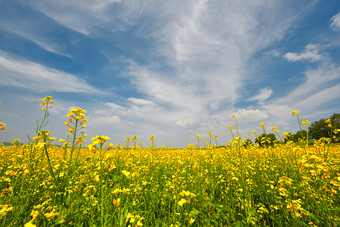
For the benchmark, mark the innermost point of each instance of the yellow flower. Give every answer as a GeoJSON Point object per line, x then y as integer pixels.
{"type": "Point", "coordinates": [229, 126]}
{"type": "Point", "coordinates": [51, 215]}
{"type": "Point", "coordinates": [234, 116]}
{"type": "Point", "coordinates": [126, 173]}
{"type": "Point", "coordinates": [30, 224]}
{"type": "Point", "coordinates": [305, 122]}
{"type": "Point", "coordinates": [70, 129]}
{"type": "Point", "coordinates": [294, 112]}
{"type": "Point", "coordinates": [197, 135]}
{"type": "Point", "coordinates": [192, 220]}
{"type": "Point", "coordinates": [262, 124]}
{"type": "Point", "coordinates": [182, 201]}
{"type": "Point", "coordinates": [274, 128]}
{"type": "Point", "coordinates": [116, 202]}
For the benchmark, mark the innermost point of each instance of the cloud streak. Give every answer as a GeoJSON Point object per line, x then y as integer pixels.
{"type": "Point", "coordinates": [38, 78]}
{"type": "Point", "coordinates": [335, 22]}
{"type": "Point", "coordinates": [311, 53]}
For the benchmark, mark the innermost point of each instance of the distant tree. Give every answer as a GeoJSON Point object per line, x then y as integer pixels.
{"type": "Point", "coordinates": [265, 139]}
{"type": "Point", "coordinates": [299, 135]}
{"type": "Point", "coordinates": [319, 129]}
{"type": "Point", "coordinates": [323, 128]}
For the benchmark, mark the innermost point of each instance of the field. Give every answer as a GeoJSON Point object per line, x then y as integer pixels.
{"type": "Point", "coordinates": [102, 184]}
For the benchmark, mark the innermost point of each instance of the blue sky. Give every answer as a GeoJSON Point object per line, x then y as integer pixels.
{"type": "Point", "coordinates": [168, 68]}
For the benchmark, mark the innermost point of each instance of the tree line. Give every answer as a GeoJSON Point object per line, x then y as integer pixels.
{"type": "Point", "coordinates": [323, 128]}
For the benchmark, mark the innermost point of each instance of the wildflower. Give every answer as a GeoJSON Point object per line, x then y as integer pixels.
{"type": "Point", "coordinates": [192, 220]}
{"type": "Point", "coordinates": [116, 202]}
{"type": "Point", "coordinates": [4, 209]}
{"type": "Point", "coordinates": [51, 215]}
{"type": "Point", "coordinates": [229, 126]}
{"type": "Point", "coordinates": [274, 128]}
{"type": "Point", "coordinates": [294, 112]}
{"type": "Point", "coordinates": [305, 122]}
{"type": "Point", "coordinates": [100, 140]}
{"type": "Point", "coordinates": [2, 126]}
{"type": "Point", "coordinates": [126, 173]}
{"type": "Point", "coordinates": [182, 202]}
{"type": "Point", "coordinates": [30, 224]}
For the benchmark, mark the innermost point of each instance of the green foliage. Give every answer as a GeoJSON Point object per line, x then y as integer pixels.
{"type": "Point", "coordinates": [322, 128]}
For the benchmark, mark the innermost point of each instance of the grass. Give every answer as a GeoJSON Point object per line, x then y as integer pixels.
{"type": "Point", "coordinates": [288, 184]}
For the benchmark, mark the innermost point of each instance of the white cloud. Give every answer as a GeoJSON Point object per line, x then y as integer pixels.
{"type": "Point", "coordinates": [263, 95]}
{"type": "Point", "coordinates": [312, 98]}
{"type": "Point", "coordinates": [247, 115]}
{"type": "Point", "coordinates": [186, 122]}
{"type": "Point", "coordinates": [140, 101]}
{"type": "Point", "coordinates": [311, 53]}
{"type": "Point", "coordinates": [39, 78]}
{"type": "Point", "coordinates": [89, 16]}
{"type": "Point", "coordinates": [335, 22]}
{"type": "Point", "coordinates": [207, 44]}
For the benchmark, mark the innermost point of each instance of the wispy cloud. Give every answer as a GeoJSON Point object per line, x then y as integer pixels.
{"type": "Point", "coordinates": [90, 16]}
{"type": "Point", "coordinates": [207, 44]}
{"type": "Point", "coordinates": [312, 97]}
{"type": "Point", "coordinates": [263, 95]}
{"type": "Point", "coordinates": [140, 101]}
{"type": "Point", "coordinates": [335, 22]}
{"type": "Point", "coordinates": [311, 53]}
{"type": "Point", "coordinates": [38, 78]}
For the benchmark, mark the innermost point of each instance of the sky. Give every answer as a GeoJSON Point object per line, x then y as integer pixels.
{"type": "Point", "coordinates": [172, 69]}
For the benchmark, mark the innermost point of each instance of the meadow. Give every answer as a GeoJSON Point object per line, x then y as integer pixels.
{"type": "Point", "coordinates": [102, 184]}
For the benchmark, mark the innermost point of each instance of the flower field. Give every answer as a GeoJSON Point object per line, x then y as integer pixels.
{"type": "Point", "coordinates": [102, 184]}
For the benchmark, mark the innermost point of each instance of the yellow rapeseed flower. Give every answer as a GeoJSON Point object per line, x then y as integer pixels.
{"type": "Point", "coordinates": [274, 128]}
{"type": "Point", "coordinates": [294, 112]}
{"type": "Point", "coordinates": [116, 202]}
{"type": "Point", "coordinates": [182, 202]}
{"type": "Point", "coordinates": [305, 122]}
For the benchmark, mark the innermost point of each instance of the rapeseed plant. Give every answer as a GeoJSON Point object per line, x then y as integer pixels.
{"type": "Point", "coordinates": [105, 185]}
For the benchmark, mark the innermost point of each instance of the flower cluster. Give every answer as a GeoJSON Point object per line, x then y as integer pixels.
{"type": "Point", "coordinates": [76, 116]}
{"type": "Point", "coordinates": [46, 102]}
{"type": "Point", "coordinates": [2, 126]}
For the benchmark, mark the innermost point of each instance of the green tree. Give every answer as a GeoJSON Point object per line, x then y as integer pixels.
{"type": "Point", "coordinates": [324, 128]}
{"type": "Point", "coordinates": [299, 135]}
